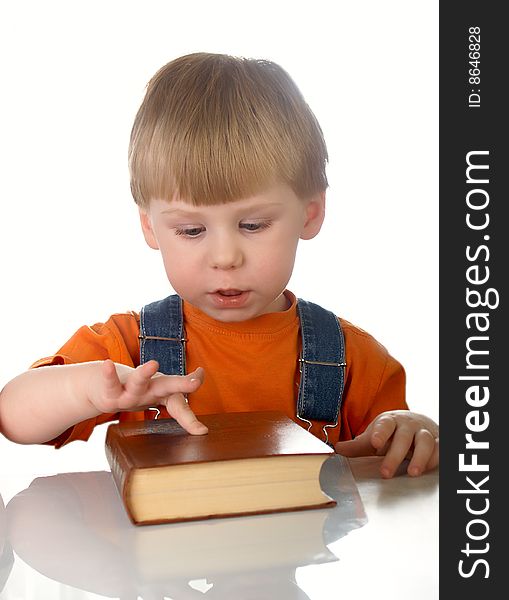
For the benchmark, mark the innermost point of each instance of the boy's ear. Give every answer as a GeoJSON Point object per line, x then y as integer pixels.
{"type": "Point", "coordinates": [315, 214]}
{"type": "Point", "coordinates": [148, 232]}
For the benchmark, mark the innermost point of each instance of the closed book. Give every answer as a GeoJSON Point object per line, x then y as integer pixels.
{"type": "Point", "coordinates": [247, 463]}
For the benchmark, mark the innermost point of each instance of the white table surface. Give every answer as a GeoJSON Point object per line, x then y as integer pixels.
{"type": "Point", "coordinates": [66, 536]}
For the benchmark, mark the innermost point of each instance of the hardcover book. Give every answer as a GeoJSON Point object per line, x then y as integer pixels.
{"type": "Point", "coordinates": [247, 463]}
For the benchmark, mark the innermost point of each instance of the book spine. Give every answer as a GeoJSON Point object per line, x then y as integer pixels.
{"type": "Point", "coordinates": [120, 465]}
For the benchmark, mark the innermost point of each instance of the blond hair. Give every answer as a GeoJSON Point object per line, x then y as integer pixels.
{"type": "Point", "coordinates": [214, 128]}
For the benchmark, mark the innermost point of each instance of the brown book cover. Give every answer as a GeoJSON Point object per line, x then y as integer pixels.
{"type": "Point", "coordinates": [247, 463]}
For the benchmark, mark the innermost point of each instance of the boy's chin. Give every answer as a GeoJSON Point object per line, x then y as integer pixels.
{"type": "Point", "coordinates": [230, 315]}
{"type": "Point", "coordinates": [246, 312]}
{"type": "Point", "coordinates": [235, 309]}
{"type": "Point", "coordinates": [226, 314]}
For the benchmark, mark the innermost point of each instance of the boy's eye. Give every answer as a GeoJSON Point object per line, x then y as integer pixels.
{"type": "Point", "coordinates": [256, 226]}
{"type": "Point", "coordinates": [189, 231]}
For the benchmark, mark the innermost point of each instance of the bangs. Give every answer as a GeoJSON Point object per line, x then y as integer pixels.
{"type": "Point", "coordinates": [214, 129]}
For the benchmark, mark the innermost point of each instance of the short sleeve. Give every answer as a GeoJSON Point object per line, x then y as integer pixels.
{"type": "Point", "coordinates": [116, 339]}
{"type": "Point", "coordinates": [374, 383]}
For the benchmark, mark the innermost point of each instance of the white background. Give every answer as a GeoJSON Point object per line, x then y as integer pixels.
{"type": "Point", "coordinates": [73, 75]}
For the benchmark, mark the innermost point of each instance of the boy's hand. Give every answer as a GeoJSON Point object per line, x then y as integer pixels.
{"type": "Point", "coordinates": [122, 388]}
{"type": "Point", "coordinates": [397, 434]}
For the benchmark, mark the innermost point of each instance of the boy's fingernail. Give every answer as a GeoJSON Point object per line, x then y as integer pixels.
{"type": "Point", "coordinates": [194, 374]}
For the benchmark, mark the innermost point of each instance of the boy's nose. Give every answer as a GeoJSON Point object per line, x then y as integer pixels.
{"type": "Point", "coordinates": [225, 254]}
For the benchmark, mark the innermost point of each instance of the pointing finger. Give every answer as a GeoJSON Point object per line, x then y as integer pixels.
{"type": "Point", "coordinates": [180, 410]}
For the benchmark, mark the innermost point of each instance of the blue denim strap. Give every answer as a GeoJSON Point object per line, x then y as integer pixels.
{"type": "Point", "coordinates": [162, 335]}
{"type": "Point", "coordinates": [322, 365]}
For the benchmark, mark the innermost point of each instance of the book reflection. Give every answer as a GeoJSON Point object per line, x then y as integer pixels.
{"type": "Point", "coordinates": [73, 529]}
{"type": "Point", "coordinates": [6, 555]}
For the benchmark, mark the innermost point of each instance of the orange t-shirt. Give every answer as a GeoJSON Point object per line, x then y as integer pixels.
{"type": "Point", "coordinates": [249, 366]}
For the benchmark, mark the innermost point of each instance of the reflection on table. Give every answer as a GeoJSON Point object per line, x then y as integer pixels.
{"type": "Point", "coordinates": [6, 555]}
{"type": "Point", "coordinates": [72, 528]}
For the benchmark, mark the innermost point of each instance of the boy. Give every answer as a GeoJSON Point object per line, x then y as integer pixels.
{"type": "Point", "coordinates": [227, 166]}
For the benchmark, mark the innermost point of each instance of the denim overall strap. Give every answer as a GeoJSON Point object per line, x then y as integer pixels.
{"type": "Point", "coordinates": [322, 365]}
{"type": "Point", "coordinates": [162, 335]}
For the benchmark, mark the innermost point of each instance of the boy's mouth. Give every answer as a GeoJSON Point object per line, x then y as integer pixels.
{"type": "Point", "coordinates": [229, 292]}
{"type": "Point", "coordinates": [229, 298]}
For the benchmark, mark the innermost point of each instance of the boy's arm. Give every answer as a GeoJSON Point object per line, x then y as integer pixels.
{"type": "Point", "coordinates": [375, 415]}
{"type": "Point", "coordinates": [41, 403]}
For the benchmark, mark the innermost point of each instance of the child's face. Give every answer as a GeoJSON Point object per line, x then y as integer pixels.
{"type": "Point", "coordinates": [233, 261]}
